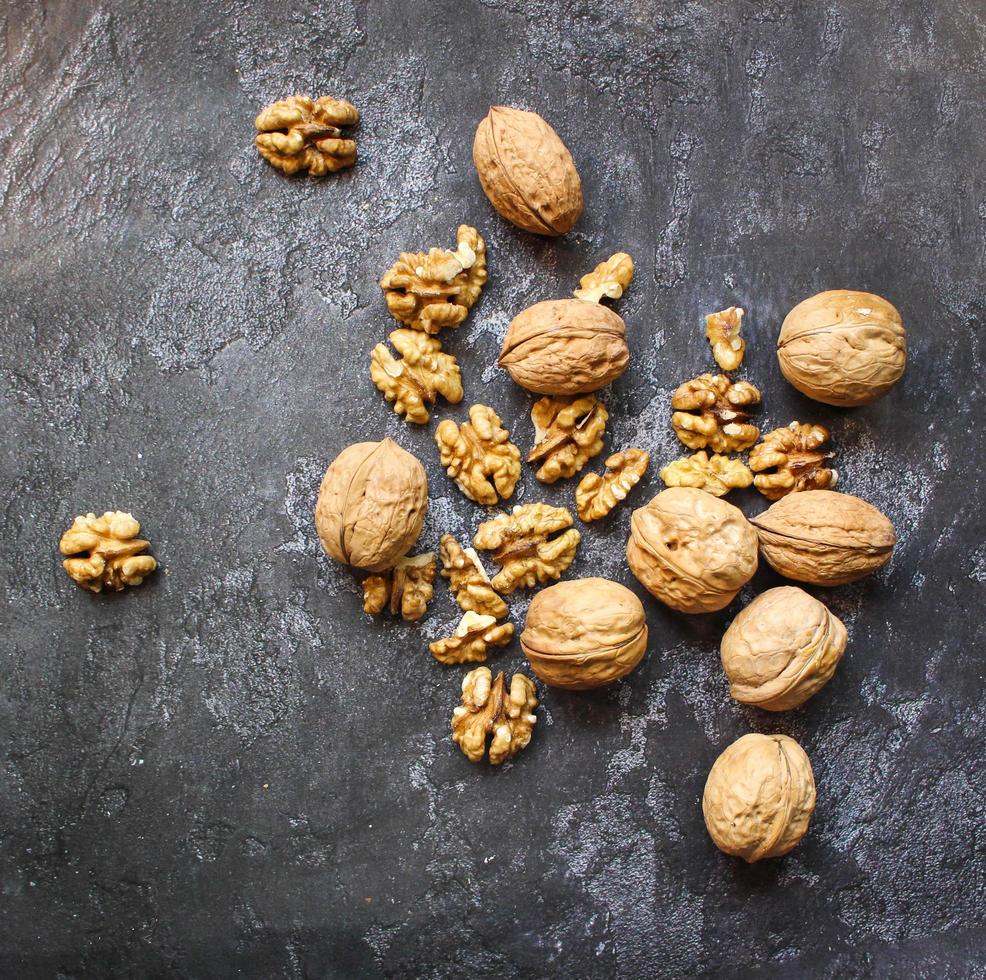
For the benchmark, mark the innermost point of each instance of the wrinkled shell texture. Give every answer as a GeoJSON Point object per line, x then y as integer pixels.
{"type": "Point", "coordinates": [371, 505]}
{"type": "Point", "coordinates": [584, 633]}
{"type": "Point", "coordinates": [565, 347]}
{"type": "Point", "coordinates": [691, 550]}
{"type": "Point", "coordinates": [824, 538]}
{"type": "Point", "coordinates": [781, 649]}
{"type": "Point", "coordinates": [759, 797]}
{"type": "Point", "coordinates": [843, 347]}
{"type": "Point", "coordinates": [527, 172]}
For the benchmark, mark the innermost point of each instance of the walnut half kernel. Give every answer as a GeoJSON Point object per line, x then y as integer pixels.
{"type": "Point", "coordinates": [406, 588]}
{"type": "Point", "coordinates": [722, 330]}
{"type": "Point", "coordinates": [489, 709]}
{"type": "Point", "coordinates": [471, 640]}
{"type": "Point", "coordinates": [568, 432]}
{"type": "Point", "coordinates": [597, 495]}
{"type": "Point", "coordinates": [113, 548]}
{"type": "Point", "coordinates": [479, 455]}
{"type": "Point", "coordinates": [423, 373]}
{"type": "Point", "coordinates": [789, 460]}
{"type": "Point", "coordinates": [298, 133]}
{"type": "Point", "coordinates": [712, 412]}
{"type": "Point", "coordinates": [714, 474]}
{"type": "Point", "coordinates": [468, 580]}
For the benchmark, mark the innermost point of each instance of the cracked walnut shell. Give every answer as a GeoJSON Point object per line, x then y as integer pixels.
{"type": "Point", "coordinates": [722, 330]}
{"type": "Point", "coordinates": [596, 495]}
{"type": "Point", "coordinates": [468, 580]}
{"type": "Point", "coordinates": [759, 797]}
{"type": "Point", "coordinates": [568, 432]}
{"type": "Point", "coordinates": [300, 134]}
{"type": "Point", "coordinates": [711, 413]}
{"type": "Point", "coordinates": [843, 347]}
{"type": "Point", "coordinates": [423, 373]}
{"type": "Point", "coordinates": [714, 474]}
{"type": "Point", "coordinates": [691, 550]}
{"type": "Point", "coordinates": [471, 640]}
{"type": "Point", "coordinates": [781, 649]}
{"type": "Point", "coordinates": [488, 708]}
{"type": "Point", "coordinates": [584, 633]}
{"type": "Point", "coordinates": [406, 588]}
{"type": "Point", "coordinates": [521, 544]}
{"type": "Point", "coordinates": [371, 505]}
{"type": "Point", "coordinates": [527, 172]}
{"type": "Point", "coordinates": [113, 559]}
{"type": "Point", "coordinates": [479, 455]}
{"type": "Point", "coordinates": [792, 453]}
{"type": "Point", "coordinates": [824, 538]}
{"type": "Point", "coordinates": [432, 290]}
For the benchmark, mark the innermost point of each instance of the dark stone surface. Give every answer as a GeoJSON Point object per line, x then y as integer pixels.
{"type": "Point", "coordinates": [231, 770]}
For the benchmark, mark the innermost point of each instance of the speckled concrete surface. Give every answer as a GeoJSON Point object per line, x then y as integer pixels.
{"type": "Point", "coordinates": [231, 771]}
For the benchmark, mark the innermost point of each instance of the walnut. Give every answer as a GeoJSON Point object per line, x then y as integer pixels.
{"type": "Point", "coordinates": [488, 709]}
{"type": "Point", "coordinates": [723, 332]}
{"type": "Point", "coordinates": [607, 280]}
{"type": "Point", "coordinates": [479, 455]}
{"type": "Point", "coordinates": [299, 134]}
{"type": "Point", "coordinates": [597, 495]}
{"type": "Point", "coordinates": [406, 588]}
{"type": "Point", "coordinates": [472, 638]}
{"type": "Point", "coordinates": [568, 432]}
{"type": "Point", "coordinates": [432, 290]}
{"type": "Point", "coordinates": [792, 453]}
{"type": "Point", "coordinates": [714, 474]}
{"type": "Point", "coordinates": [113, 559]}
{"type": "Point", "coordinates": [711, 413]}
{"type": "Point", "coordinates": [522, 545]}
{"type": "Point", "coordinates": [468, 580]}
{"type": "Point", "coordinates": [415, 381]}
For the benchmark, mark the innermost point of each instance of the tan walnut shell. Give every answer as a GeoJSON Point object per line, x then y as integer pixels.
{"type": "Point", "coordinates": [565, 347]}
{"type": "Point", "coordinates": [824, 538]}
{"type": "Point", "coordinates": [584, 633]}
{"type": "Point", "coordinates": [843, 347]}
{"type": "Point", "coordinates": [527, 172]}
{"type": "Point", "coordinates": [371, 505]}
{"type": "Point", "coordinates": [691, 550]}
{"type": "Point", "coordinates": [781, 649]}
{"type": "Point", "coordinates": [759, 797]}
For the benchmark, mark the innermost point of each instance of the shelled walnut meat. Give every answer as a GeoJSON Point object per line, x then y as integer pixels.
{"type": "Point", "coordinates": [759, 797]}
{"type": "Point", "coordinates": [112, 551]}
{"type": "Point", "coordinates": [596, 495]}
{"type": "Point", "coordinates": [415, 381]}
{"type": "Point", "coordinates": [824, 538]}
{"type": "Point", "coordinates": [298, 133]}
{"type": "Point", "coordinates": [712, 412]}
{"type": "Point", "coordinates": [468, 580]}
{"type": "Point", "coordinates": [568, 432]}
{"type": "Point", "coordinates": [714, 474]}
{"type": "Point", "coordinates": [843, 347]}
{"type": "Point", "coordinates": [489, 708]}
{"type": "Point", "coordinates": [790, 460]}
{"type": "Point", "coordinates": [691, 550]}
{"type": "Point", "coordinates": [472, 639]}
{"type": "Point", "coordinates": [584, 633]}
{"type": "Point", "coordinates": [479, 455]}
{"type": "Point", "coordinates": [722, 330]}
{"type": "Point", "coordinates": [781, 649]}
{"type": "Point", "coordinates": [406, 588]}
{"type": "Point", "coordinates": [371, 505]}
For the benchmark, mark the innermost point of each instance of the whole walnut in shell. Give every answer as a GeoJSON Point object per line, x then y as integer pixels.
{"type": "Point", "coordinates": [527, 172]}
{"type": "Point", "coordinates": [759, 797]}
{"type": "Point", "coordinates": [371, 505]}
{"type": "Point", "coordinates": [824, 538]}
{"type": "Point", "coordinates": [781, 649]}
{"type": "Point", "coordinates": [584, 633]}
{"type": "Point", "coordinates": [691, 550]}
{"type": "Point", "coordinates": [843, 347]}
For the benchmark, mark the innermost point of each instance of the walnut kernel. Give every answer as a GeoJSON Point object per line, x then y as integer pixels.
{"type": "Point", "coordinates": [406, 588]}
{"type": "Point", "coordinates": [723, 332]}
{"type": "Point", "coordinates": [792, 453]}
{"type": "Point", "coordinates": [711, 413]}
{"type": "Point", "coordinates": [488, 709]}
{"type": "Point", "coordinates": [423, 373]}
{"type": "Point", "coordinates": [471, 640]}
{"type": "Point", "coordinates": [608, 280]}
{"type": "Point", "coordinates": [596, 495]}
{"type": "Point", "coordinates": [479, 455]}
{"type": "Point", "coordinates": [714, 474]}
{"type": "Point", "coordinates": [568, 432]}
{"type": "Point", "coordinates": [114, 558]}
{"type": "Point", "coordinates": [468, 580]}
{"type": "Point", "coordinates": [300, 134]}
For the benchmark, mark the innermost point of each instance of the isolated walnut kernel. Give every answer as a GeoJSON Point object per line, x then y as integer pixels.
{"type": "Point", "coordinates": [722, 330]}
{"type": "Point", "coordinates": [714, 474]}
{"type": "Point", "coordinates": [432, 290]}
{"type": "Point", "coordinates": [423, 373]}
{"type": "Point", "coordinates": [568, 432]}
{"type": "Point", "coordinates": [472, 639]}
{"type": "Point", "coordinates": [300, 134]}
{"type": "Point", "coordinates": [521, 544]}
{"type": "Point", "coordinates": [479, 455]}
{"type": "Point", "coordinates": [489, 709]}
{"type": "Point", "coordinates": [114, 558]}
{"type": "Point", "coordinates": [792, 454]}
{"type": "Point", "coordinates": [468, 580]}
{"type": "Point", "coordinates": [608, 280]}
{"type": "Point", "coordinates": [711, 413]}
{"type": "Point", "coordinates": [596, 495]}
{"type": "Point", "coordinates": [405, 589]}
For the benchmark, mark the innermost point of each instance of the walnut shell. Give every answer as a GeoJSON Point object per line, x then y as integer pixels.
{"type": "Point", "coordinates": [781, 649]}
{"type": "Point", "coordinates": [565, 347]}
{"type": "Point", "coordinates": [527, 172]}
{"type": "Point", "coordinates": [371, 505]}
{"type": "Point", "coordinates": [843, 347]}
{"type": "Point", "coordinates": [691, 550]}
{"type": "Point", "coordinates": [584, 633]}
{"type": "Point", "coordinates": [824, 538]}
{"type": "Point", "coordinates": [759, 797]}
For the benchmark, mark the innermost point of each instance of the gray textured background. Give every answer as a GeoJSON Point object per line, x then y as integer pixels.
{"type": "Point", "coordinates": [231, 770]}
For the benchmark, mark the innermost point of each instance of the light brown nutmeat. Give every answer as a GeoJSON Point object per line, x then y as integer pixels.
{"type": "Point", "coordinates": [479, 455]}
{"type": "Point", "coordinates": [790, 460]}
{"type": "Point", "coordinates": [406, 588]}
{"type": "Point", "coordinates": [432, 290]}
{"type": "Point", "coordinates": [714, 474]}
{"type": "Point", "coordinates": [489, 709]}
{"type": "Point", "coordinates": [472, 640]}
{"type": "Point", "coordinates": [468, 580]}
{"type": "Point", "coordinates": [597, 495]}
{"type": "Point", "coordinates": [608, 280]}
{"type": "Point", "coordinates": [722, 330]}
{"type": "Point", "coordinates": [298, 133]}
{"type": "Point", "coordinates": [712, 412]}
{"type": "Point", "coordinates": [113, 551]}
{"type": "Point", "coordinates": [416, 380]}
{"type": "Point", "coordinates": [568, 432]}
